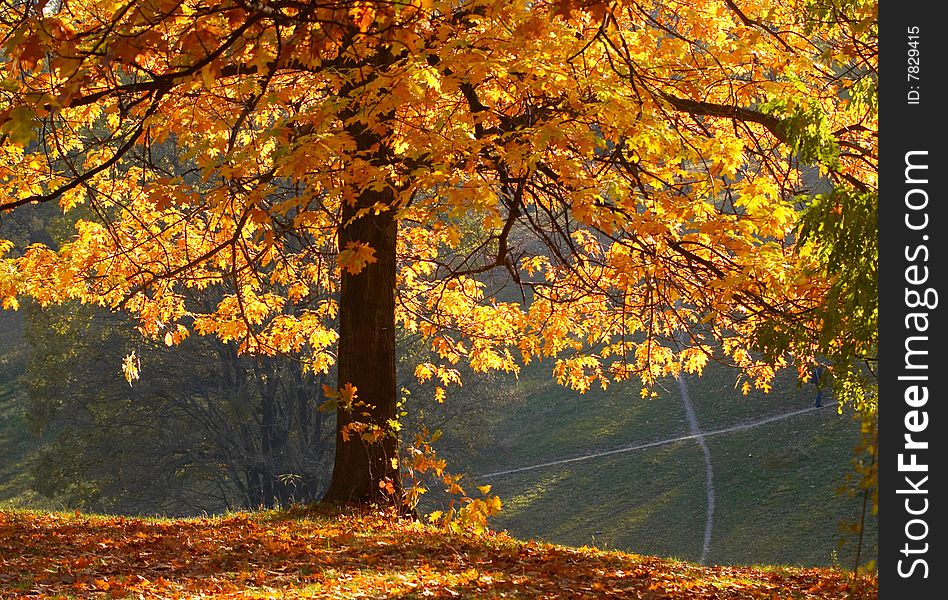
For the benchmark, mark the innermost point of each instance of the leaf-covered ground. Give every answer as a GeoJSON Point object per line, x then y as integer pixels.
{"type": "Point", "coordinates": [315, 554]}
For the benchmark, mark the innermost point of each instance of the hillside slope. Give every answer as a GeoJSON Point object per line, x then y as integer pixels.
{"type": "Point", "coordinates": [775, 483]}
{"type": "Point", "coordinates": [320, 554]}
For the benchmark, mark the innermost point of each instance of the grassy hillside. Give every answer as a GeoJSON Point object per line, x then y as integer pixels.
{"type": "Point", "coordinates": [775, 484]}
{"type": "Point", "coordinates": [324, 554]}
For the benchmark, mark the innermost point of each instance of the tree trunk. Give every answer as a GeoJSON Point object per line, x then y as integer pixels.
{"type": "Point", "coordinates": [363, 471]}
{"type": "Point", "coordinates": [367, 360]}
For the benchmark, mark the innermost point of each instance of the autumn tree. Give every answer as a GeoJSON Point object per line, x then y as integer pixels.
{"type": "Point", "coordinates": [628, 172]}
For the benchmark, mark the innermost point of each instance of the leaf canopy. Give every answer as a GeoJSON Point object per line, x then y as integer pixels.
{"type": "Point", "coordinates": [615, 185]}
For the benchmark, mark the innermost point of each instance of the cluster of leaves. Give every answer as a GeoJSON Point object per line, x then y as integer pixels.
{"type": "Point", "coordinates": [463, 513]}
{"type": "Point", "coordinates": [353, 555]}
{"type": "Point", "coordinates": [418, 466]}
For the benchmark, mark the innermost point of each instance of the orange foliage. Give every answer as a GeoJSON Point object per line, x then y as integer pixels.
{"type": "Point", "coordinates": [611, 186]}
{"type": "Point", "coordinates": [632, 168]}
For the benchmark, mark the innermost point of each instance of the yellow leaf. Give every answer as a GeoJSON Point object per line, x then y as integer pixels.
{"type": "Point", "coordinates": [356, 256]}
{"type": "Point", "coordinates": [20, 124]}
{"type": "Point", "coordinates": [130, 367]}
{"type": "Point", "coordinates": [347, 394]}
{"type": "Point", "coordinates": [432, 78]}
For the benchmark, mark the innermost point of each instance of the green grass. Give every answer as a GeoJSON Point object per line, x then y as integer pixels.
{"type": "Point", "coordinates": [645, 505]}
{"type": "Point", "coordinates": [779, 502]}
{"type": "Point", "coordinates": [539, 420]}
{"type": "Point", "coordinates": [719, 404]}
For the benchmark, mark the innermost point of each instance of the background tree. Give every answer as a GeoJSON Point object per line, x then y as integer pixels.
{"type": "Point", "coordinates": [634, 170]}
{"type": "Point", "coordinates": [204, 430]}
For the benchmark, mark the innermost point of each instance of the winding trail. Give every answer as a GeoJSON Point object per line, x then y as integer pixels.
{"type": "Point", "coordinates": [663, 442]}
{"type": "Point", "coordinates": [709, 468]}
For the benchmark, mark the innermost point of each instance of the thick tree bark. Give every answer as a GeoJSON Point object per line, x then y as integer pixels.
{"type": "Point", "coordinates": [363, 472]}
{"type": "Point", "coordinates": [367, 359]}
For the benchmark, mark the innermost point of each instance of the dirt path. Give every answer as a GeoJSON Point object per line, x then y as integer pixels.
{"type": "Point", "coordinates": [698, 436]}
{"type": "Point", "coordinates": [682, 438]}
